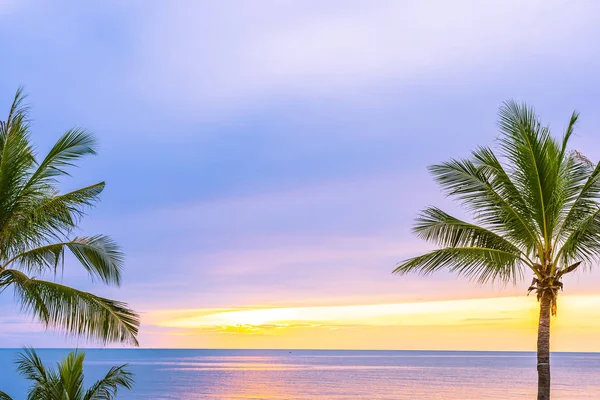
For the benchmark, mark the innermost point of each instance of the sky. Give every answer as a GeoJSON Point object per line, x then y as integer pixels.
{"type": "Point", "coordinates": [265, 160]}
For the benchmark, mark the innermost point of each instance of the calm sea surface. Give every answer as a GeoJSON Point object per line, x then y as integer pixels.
{"type": "Point", "coordinates": [373, 375]}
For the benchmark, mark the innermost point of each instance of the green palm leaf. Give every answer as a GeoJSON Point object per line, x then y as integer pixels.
{"type": "Point", "coordinates": [70, 371]}
{"type": "Point", "coordinates": [72, 310]}
{"type": "Point", "coordinates": [73, 145]}
{"type": "Point", "coordinates": [583, 243]}
{"type": "Point", "coordinates": [582, 198]}
{"type": "Point", "coordinates": [434, 225]}
{"type": "Point", "coordinates": [37, 222]}
{"type": "Point", "coordinates": [107, 387]}
{"type": "Point", "coordinates": [99, 255]}
{"type": "Point", "coordinates": [534, 156]}
{"type": "Point", "coordinates": [470, 183]}
{"type": "Point", "coordinates": [60, 212]}
{"type": "Point", "coordinates": [66, 382]}
{"type": "Point", "coordinates": [32, 368]}
{"type": "Point", "coordinates": [477, 263]}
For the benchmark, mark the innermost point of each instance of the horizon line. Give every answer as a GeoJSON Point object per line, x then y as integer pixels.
{"type": "Point", "coordinates": [292, 349]}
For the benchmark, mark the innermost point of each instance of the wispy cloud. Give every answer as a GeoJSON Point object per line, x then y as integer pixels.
{"type": "Point", "coordinates": [403, 314]}
{"type": "Point", "coordinates": [488, 323]}
{"type": "Point", "coordinates": [280, 49]}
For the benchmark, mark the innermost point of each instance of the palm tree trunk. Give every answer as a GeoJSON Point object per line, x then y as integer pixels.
{"type": "Point", "coordinates": [543, 348]}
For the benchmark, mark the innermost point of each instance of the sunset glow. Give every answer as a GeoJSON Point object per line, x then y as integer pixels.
{"type": "Point", "coordinates": [475, 324]}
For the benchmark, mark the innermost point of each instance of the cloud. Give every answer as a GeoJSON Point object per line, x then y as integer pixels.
{"type": "Point", "coordinates": [281, 49]}
{"type": "Point", "coordinates": [405, 314]}
{"type": "Point", "coordinates": [339, 239]}
{"type": "Point", "coordinates": [349, 207]}
{"type": "Point", "coordinates": [501, 323]}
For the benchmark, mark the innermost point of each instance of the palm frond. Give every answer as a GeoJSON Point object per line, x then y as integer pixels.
{"type": "Point", "coordinates": [30, 365]}
{"type": "Point", "coordinates": [535, 159]}
{"type": "Point", "coordinates": [475, 263]}
{"type": "Point", "coordinates": [72, 310]}
{"type": "Point", "coordinates": [510, 197]}
{"type": "Point", "coordinates": [51, 389]}
{"type": "Point", "coordinates": [18, 112]}
{"type": "Point", "coordinates": [583, 197]}
{"type": "Point", "coordinates": [67, 380]}
{"type": "Point", "coordinates": [56, 216]}
{"type": "Point", "coordinates": [568, 133]}
{"type": "Point", "coordinates": [4, 396]}
{"type": "Point", "coordinates": [99, 255]}
{"type": "Point", "coordinates": [32, 368]}
{"type": "Point", "coordinates": [16, 160]}
{"type": "Point", "coordinates": [73, 145]}
{"type": "Point", "coordinates": [47, 217]}
{"type": "Point", "coordinates": [583, 244]}
{"type": "Point", "coordinates": [436, 226]}
{"type": "Point", "coordinates": [74, 202]}
{"type": "Point", "coordinates": [470, 183]}
{"type": "Point", "coordinates": [70, 372]}
{"type": "Point", "coordinates": [107, 387]}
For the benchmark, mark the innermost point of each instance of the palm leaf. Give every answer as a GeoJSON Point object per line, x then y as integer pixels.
{"type": "Point", "coordinates": [583, 243]}
{"type": "Point", "coordinates": [4, 396]}
{"type": "Point", "coordinates": [107, 387]}
{"type": "Point", "coordinates": [515, 219]}
{"type": "Point", "coordinates": [470, 183]}
{"type": "Point", "coordinates": [538, 164]}
{"type": "Point", "coordinates": [476, 263]}
{"type": "Point", "coordinates": [72, 310]}
{"type": "Point", "coordinates": [47, 218]}
{"type": "Point", "coordinates": [99, 255]}
{"type": "Point", "coordinates": [16, 159]}
{"type": "Point", "coordinates": [70, 372]}
{"type": "Point", "coordinates": [67, 380]}
{"type": "Point", "coordinates": [584, 194]}
{"type": "Point", "coordinates": [32, 368]}
{"type": "Point", "coordinates": [73, 145]}
{"type": "Point", "coordinates": [436, 226]}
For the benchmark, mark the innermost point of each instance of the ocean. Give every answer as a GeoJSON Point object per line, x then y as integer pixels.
{"type": "Point", "coordinates": [307, 374]}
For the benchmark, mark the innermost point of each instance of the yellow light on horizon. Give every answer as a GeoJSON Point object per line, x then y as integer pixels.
{"type": "Point", "coordinates": [436, 312]}
{"type": "Point", "coordinates": [502, 323]}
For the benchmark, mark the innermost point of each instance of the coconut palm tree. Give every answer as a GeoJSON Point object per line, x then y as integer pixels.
{"type": "Point", "coordinates": [534, 207]}
{"type": "Point", "coordinates": [37, 225]}
{"type": "Point", "coordinates": [66, 382]}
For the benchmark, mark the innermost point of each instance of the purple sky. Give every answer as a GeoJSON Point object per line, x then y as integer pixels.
{"type": "Point", "coordinates": [275, 152]}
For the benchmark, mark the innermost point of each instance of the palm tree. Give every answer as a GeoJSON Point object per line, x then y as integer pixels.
{"type": "Point", "coordinates": [36, 231]}
{"type": "Point", "coordinates": [535, 211]}
{"type": "Point", "coordinates": [66, 382]}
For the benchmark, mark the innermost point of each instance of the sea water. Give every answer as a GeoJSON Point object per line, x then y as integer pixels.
{"type": "Point", "coordinates": [305, 374]}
